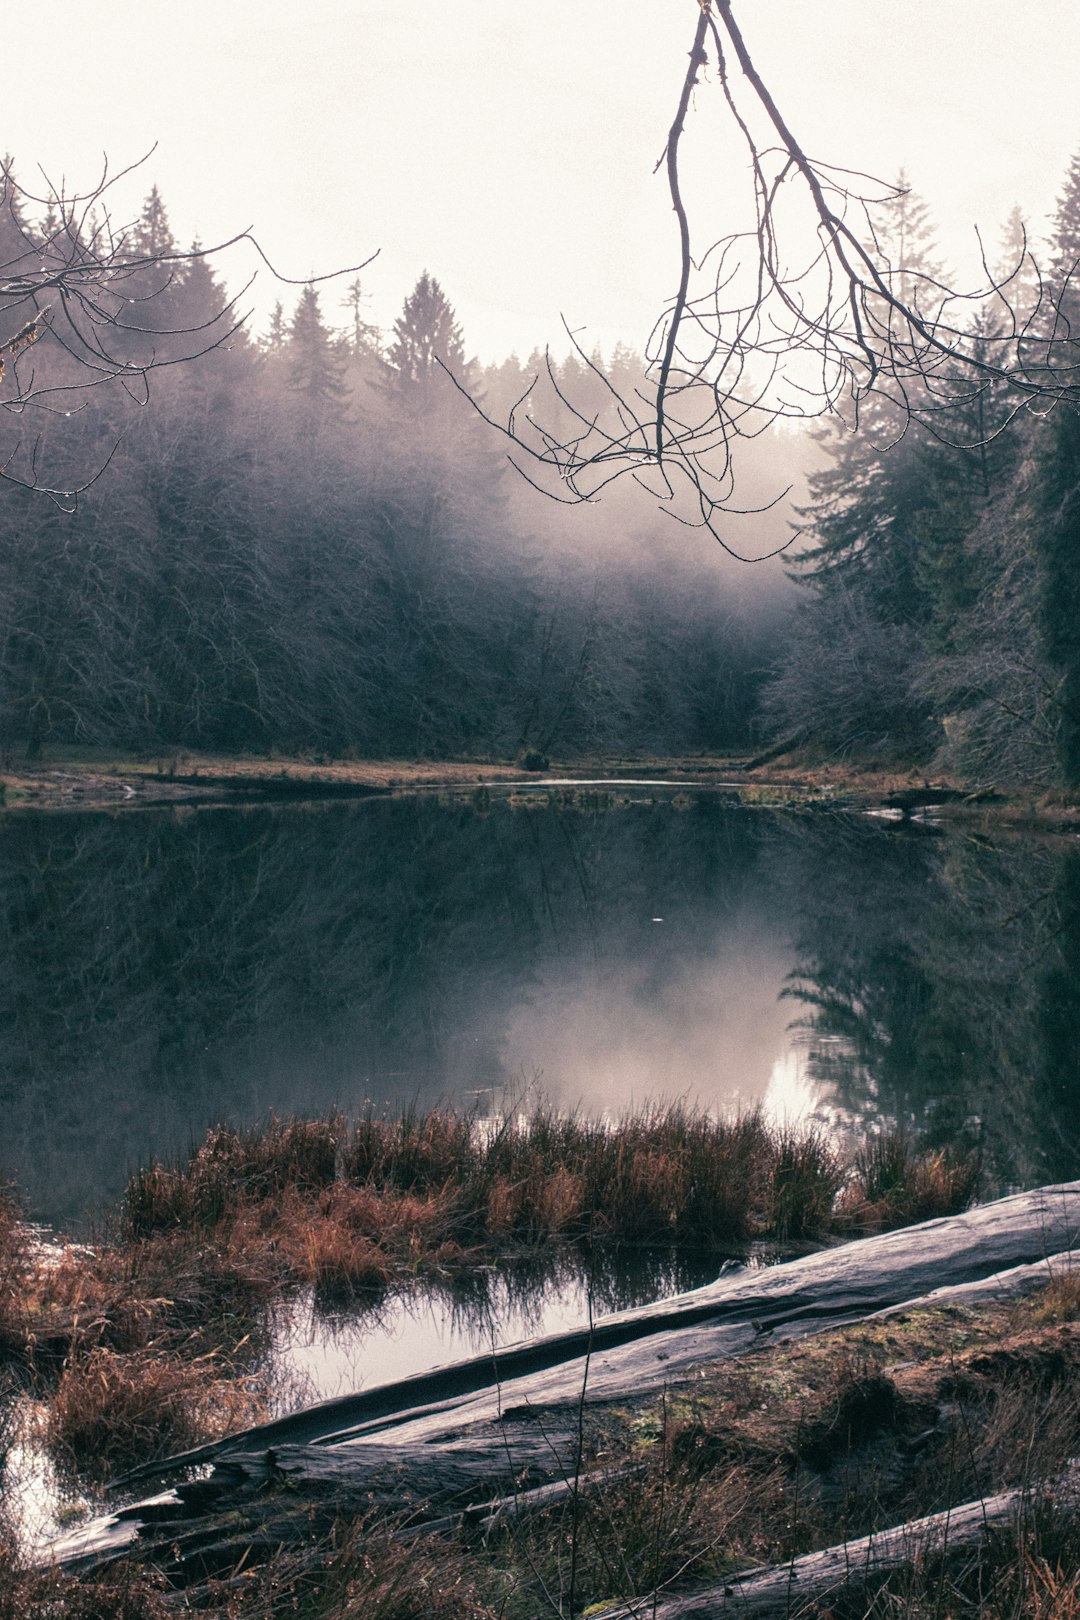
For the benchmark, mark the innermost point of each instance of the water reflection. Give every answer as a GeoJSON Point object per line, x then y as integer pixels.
{"type": "Point", "coordinates": [162, 970]}
{"type": "Point", "coordinates": [319, 1354]}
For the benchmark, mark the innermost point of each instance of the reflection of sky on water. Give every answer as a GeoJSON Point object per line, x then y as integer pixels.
{"type": "Point", "coordinates": [334, 1356]}
{"type": "Point", "coordinates": [691, 1017]}
{"type": "Point", "coordinates": [159, 973]}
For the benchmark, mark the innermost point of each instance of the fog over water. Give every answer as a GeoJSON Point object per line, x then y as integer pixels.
{"type": "Point", "coordinates": [163, 970]}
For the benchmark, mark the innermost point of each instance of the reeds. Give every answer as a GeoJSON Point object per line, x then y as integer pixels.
{"type": "Point", "coordinates": [109, 1411]}
{"type": "Point", "coordinates": [415, 1184]}
{"type": "Point", "coordinates": [144, 1342]}
{"type": "Point", "coordinates": [894, 1183]}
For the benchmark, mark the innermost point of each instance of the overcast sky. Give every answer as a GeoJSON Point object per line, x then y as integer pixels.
{"type": "Point", "coordinates": [509, 147]}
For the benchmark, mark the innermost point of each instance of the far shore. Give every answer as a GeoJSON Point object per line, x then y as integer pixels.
{"type": "Point", "coordinates": [89, 779]}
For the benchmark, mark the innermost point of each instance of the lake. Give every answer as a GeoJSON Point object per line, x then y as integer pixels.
{"type": "Point", "coordinates": [162, 969]}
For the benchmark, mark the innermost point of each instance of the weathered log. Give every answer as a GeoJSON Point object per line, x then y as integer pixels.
{"type": "Point", "coordinates": [649, 1347]}
{"type": "Point", "coordinates": [415, 1424]}
{"type": "Point", "coordinates": [790, 1589]}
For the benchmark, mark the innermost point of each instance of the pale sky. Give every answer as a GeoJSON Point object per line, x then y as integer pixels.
{"type": "Point", "coordinates": [509, 147]}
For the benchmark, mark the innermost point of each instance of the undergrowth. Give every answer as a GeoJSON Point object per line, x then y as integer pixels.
{"type": "Point", "coordinates": [158, 1335]}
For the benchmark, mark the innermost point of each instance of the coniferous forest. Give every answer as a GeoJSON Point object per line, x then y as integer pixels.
{"type": "Point", "coordinates": [309, 540]}
{"type": "Point", "coordinates": [940, 563]}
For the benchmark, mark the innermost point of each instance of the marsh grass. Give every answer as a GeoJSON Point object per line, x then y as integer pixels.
{"type": "Point", "coordinates": [1061, 1301]}
{"type": "Point", "coordinates": [109, 1411]}
{"type": "Point", "coordinates": [121, 1593]}
{"type": "Point", "coordinates": [147, 1340]}
{"type": "Point", "coordinates": [760, 1461]}
{"type": "Point", "coordinates": [422, 1184]}
{"type": "Point", "coordinates": [893, 1182]}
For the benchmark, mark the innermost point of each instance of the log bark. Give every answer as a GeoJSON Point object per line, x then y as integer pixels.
{"type": "Point", "coordinates": [790, 1589]}
{"type": "Point", "coordinates": [437, 1433]}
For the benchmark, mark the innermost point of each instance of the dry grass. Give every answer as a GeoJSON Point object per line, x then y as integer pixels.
{"type": "Point", "coordinates": [110, 1411]}
{"type": "Point", "coordinates": [16, 1272]}
{"type": "Point", "coordinates": [364, 1571]}
{"type": "Point", "coordinates": [1061, 1300]}
{"type": "Point", "coordinates": [895, 1183]}
{"type": "Point", "coordinates": [796, 1446]}
{"type": "Point", "coordinates": [422, 1181]}
{"type": "Point", "coordinates": [121, 1593]}
{"type": "Point", "coordinates": [135, 1343]}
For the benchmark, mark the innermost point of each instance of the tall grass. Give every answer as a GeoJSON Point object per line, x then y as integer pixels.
{"type": "Point", "coordinates": [895, 1183]}
{"type": "Point", "coordinates": [146, 1341]}
{"type": "Point", "coordinates": [418, 1184]}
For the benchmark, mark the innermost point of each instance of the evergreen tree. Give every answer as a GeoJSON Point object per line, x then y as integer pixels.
{"type": "Point", "coordinates": [315, 360]}
{"type": "Point", "coordinates": [1065, 229]}
{"type": "Point", "coordinates": [364, 338]}
{"type": "Point", "coordinates": [1058, 461]}
{"type": "Point", "coordinates": [1059, 560]}
{"type": "Point", "coordinates": [17, 249]}
{"type": "Point", "coordinates": [427, 338]}
{"type": "Point", "coordinates": [276, 332]}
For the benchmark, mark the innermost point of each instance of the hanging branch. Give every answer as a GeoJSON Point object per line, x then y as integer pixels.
{"type": "Point", "coordinates": [76, 289]}
{"type": "Point", "coordinates": [777, 323]}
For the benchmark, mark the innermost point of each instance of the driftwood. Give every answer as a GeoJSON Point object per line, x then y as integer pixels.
{"type": "Point", "coordinates": [481, 1431]}
{"type": "Point", "coordinates": [790, 1589]}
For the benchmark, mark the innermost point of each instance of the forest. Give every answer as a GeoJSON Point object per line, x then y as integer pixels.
{"type": "Point", "coordinates": [310, 540]}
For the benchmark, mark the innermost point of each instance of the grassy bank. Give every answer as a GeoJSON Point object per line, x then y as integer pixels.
{"type": "Point", "coordinates": [788, 1449]}
{"type": "Point", "coordinates": [87, 778]}
{"type": "Point", "coordinates": [154, 1337]}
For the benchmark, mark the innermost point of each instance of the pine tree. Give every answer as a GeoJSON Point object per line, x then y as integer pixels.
{"type": "Point", "coordinates": [364, 338]}
{"type": "Point", "coordinates": [17, 249]}
{"type": "Point", "coordinates": [276, 333]}
{"type": "Point", "coordinates": [905, 244]}
{"type": "Point", "coordinates": [426, 339]}
{"type": "Point", "coordinates": [865, 515]}
{"type": "Point", "coordinates": [1059, 563]}
{"type": "Point", "coordinates": [152, 236]}
{"type": "Point", "coordinates": [315, 360]}
{"type": "Point", "coordinates": [1058, 544]}
{"type": "Point", "coordinates": [1065, 228]}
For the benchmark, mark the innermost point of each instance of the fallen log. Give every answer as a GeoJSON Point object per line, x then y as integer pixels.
{"type": "Point", "coordinates": [647, 1348]}
{"type": "Point", "coordinates": [419, 1430]}
{"type": "Point", "coordinates": [791, 1589]}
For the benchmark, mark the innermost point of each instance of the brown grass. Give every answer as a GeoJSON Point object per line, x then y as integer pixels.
{"type": "Point", "coordinates": [121, 1593]}
{"type": "Point", "coordinates": [134, 1342]}
{"type": "Point", "coordinates": [794, 1447]}
{"type": "Point", "coordinates": [895, 1183]}
{"type": "Point", "coordinates": [661, 1175]}
{"type": "Point", "coordinates": [1061, 1300]}
{"type": "Point", "coordinates": [109, 1411]}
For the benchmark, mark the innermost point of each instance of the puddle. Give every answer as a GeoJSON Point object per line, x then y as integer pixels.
{"type": "Point", "coordinates": [317, 1353]}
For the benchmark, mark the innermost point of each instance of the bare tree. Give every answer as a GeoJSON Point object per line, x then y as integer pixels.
{"type": "Point", "coordinates": [83, 303]}
{"type": "Point", "coordinates": [803, 313]}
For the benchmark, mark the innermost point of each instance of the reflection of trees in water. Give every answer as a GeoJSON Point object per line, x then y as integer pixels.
{"type": "Point", "coordinates": [940, 977]}
{"type": "Point", "coordinates": [161, 969]}
{"type": "Point", "coordinates": [614, 1277]}
{"type": "Point", "coordinates": [477, 1308]}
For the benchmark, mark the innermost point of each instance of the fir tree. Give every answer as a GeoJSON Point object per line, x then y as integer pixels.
{"type": "Point", "coordinates": [316, 363]}
{"type": "Point", "coordinates": [427, 338]}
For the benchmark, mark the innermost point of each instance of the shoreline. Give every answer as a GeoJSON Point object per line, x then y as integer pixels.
{"type": "Point", "coordinates": [121, 782]}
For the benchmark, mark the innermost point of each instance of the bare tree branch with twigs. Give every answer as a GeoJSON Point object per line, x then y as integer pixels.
{"type": "Point", "coordinates": [801, 315]}
{"type": "Point", "coordinates": [75, 290]}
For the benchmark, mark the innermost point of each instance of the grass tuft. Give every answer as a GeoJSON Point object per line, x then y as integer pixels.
{"type": "Point", "coordinates": [109, 1411]}
{"type": "Point", "coordinates": [894, 1183]}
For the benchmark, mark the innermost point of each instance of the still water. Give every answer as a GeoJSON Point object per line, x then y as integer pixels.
{"type": "Point", "coordinates": [162, 969]}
